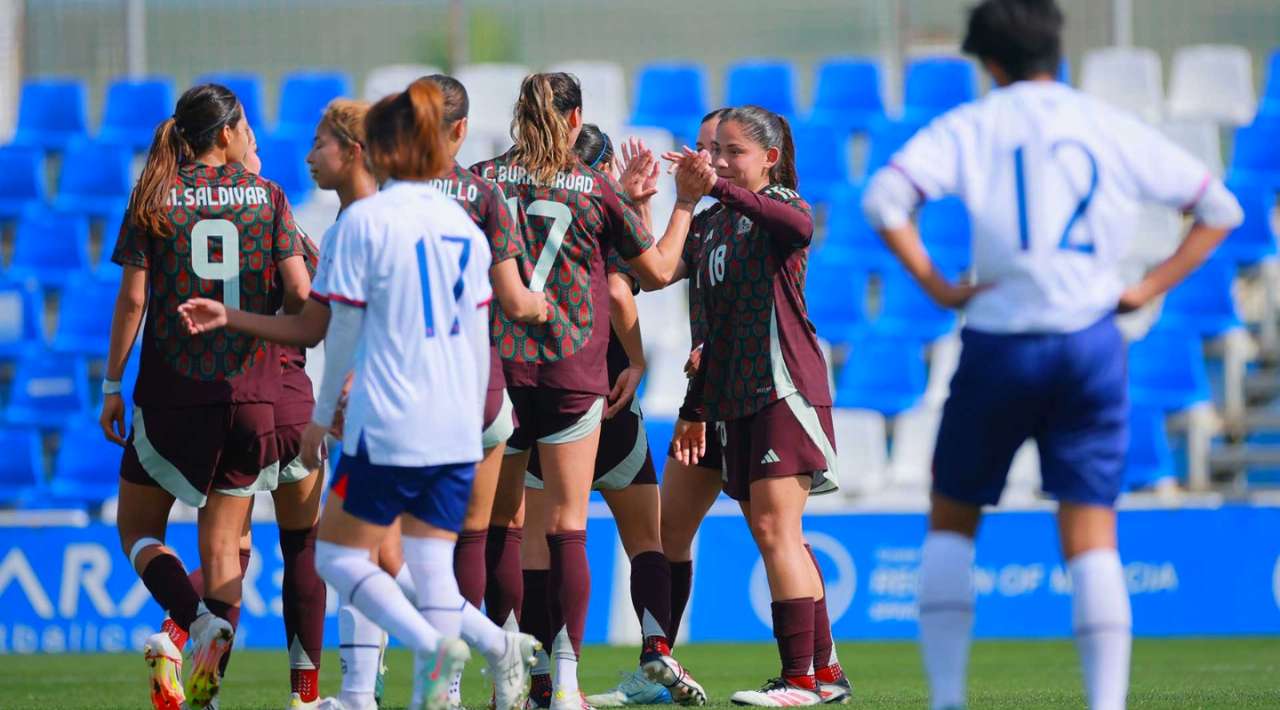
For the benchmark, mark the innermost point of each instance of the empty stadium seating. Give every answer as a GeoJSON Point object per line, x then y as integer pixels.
{"type": "Point", "coordinates": [21, 468]}
{"type": "Point", "coordinates": [248, 88]}
{"type": "Point", "coordinates": [51, 113]}
{"type": "Point", "coordinates": [1212, 82]}
{"type": "Point", "coordinates": [884, 374]}
{"type": "Point", "coordinates": [95, 180]}
{"type": "Point", "coordinates": [768, 83]}
{"type": "Point", "coordinates": [49, 390]}
{"type": "Point", "coordinates": [671, 96]}
{"type": "Point", "coordinates": [848, 95]}
{"type": "Point", "coordinates": [22, 180]}
{"type": "Point", "coordinates": [935, 85]}
{"type": "Point", "coordinates": [393, 78]}
{"type": "Point", "coordinates": [50, 248]}
{"type": "Point", "coordinates": [134, 107]}
{"type": "Point", "coordinates": [1129, 78]}
{"type": "Point", "coordinates": [21, 320]}
{"type": "Point", "coordinates": [303, 97]}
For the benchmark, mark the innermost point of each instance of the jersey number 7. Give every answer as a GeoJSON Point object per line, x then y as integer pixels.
{"type": "Point", "coordinates": [561, 218]}
{"type": "Point", "coordinates": [424, 273]}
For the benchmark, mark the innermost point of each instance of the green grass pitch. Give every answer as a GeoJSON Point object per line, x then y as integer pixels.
{"type": "Point", "coordinates": [1167, 673]}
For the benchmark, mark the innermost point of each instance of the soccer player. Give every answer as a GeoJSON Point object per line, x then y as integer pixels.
{"type": "Point", "coordinates": [198, 223]}
{"type": "Point", "coordinates": [762, 377]}
{"type": "Point", "coordinates": [556, 373]}
{"type": "Point", "coordinates": [1052, 180]}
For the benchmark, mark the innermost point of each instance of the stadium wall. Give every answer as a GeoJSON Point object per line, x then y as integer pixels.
{"type": "Point", "coordinates": [1191, 572]}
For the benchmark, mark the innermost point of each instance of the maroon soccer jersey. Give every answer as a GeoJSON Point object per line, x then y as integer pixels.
{"type": "Point", "coordinates": [230, 230]}
{"type": "Point", "coordinates": [692, 250]}
{"type": "Point", "coordinates": [760, 345]}
{"type": "Point", "coordinates": [569, 226]}
{"type": "Point", "coordinates": [485, 204]}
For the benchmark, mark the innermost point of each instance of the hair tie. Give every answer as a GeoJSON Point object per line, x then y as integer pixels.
{"type": "Point", "coordinates": [604, 148]}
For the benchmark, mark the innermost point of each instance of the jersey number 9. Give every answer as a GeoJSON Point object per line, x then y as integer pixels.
{"type": "Point", "coordinates": [228, 270]}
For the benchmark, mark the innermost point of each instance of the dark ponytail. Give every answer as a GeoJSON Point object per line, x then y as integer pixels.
{"type": "Point", "coordinates": [769, 130]}
{"type": "Point", "coordinates": [192, 130]}
{"type": "Point", "coordinates": [406, 133]}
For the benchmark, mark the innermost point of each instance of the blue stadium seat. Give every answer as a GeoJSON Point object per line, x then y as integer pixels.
{"type": "Point", "coordinates": [944, 226]}
{"type": "Point", "coordinates": [22, 182]}
{"type": "Point", "coordinates": [49, 390]}
{"type": "Point", "coordinates": [51, 112]}
{"type": "Point", "coordinates": [1255, 154]}
{"type": "Point", "coordinates": [822, 161]}
{"type": "Point", "coordinates": [1150, 458]}
{"type": "Point", "coordinates": [284, 162]}
{"type": "Point", "coordinates": [95, 180]}
{"type": "Point", "coordinates": [134, 108]}
{"type": "Point", "coordinates": [847, 97]}
{"type": "Point", "coordinates": [884, 374]}
{"type": "Point", "coordinates": [906, 311]}
{"type": "Point", "coordinates": [81, 330]}
{"type": "Point", "coordinates": [885, 137]}
{"type": "Point", "coordinates": [937, 84]}
{"type": "Point", "coordinates": [22, 466]}
{"type": "Point", "coordinates": [1203, 303]}
{"type": "Point", "coordinates": [835, 292]}
{"type": "Point", "coordinates": [21, 324]}
{"type": "Point", "coordinates": [87, 468]}
{"type": "Point", "coordinates": [50, 247]}
{"type": "Point", "coordinates": [303, 98]}
{"type": "Point", "coordinates": [851, 239]}
{"type": "Point", "coordinates": [1064, 71]}
{"type": "Point", "coordinates": [248, 88]}
{"type": "Point", "coordinates": [1167, 370]}
{"type": "Point", "coordinates": [1254, 240]}
{"type": "Point", "coordinates": [1270, 99]}
{"type": "Point", "coordinates": [671, 96]}
{"type": "Point", "coordinates": [768, 83]}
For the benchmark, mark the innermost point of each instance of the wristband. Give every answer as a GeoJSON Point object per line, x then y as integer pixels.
{"type": "Point", "coordinates": [111, 387]}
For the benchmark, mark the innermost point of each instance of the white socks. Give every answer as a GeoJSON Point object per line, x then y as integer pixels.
{"type": "Point", "coordinates": [566, 661]}
{"type": "Point", "coordinates": [482, 634]}
{"type": "Point", "coordinates": [1102, 623]}
{"type": "Point", "coordinates": [405, 580]}
{"type": "Point", "coordinates": [430, 562]}
{"type": "Point", "coordinates": [946, 615]}
{"type": "Point", "coordinates": [360, 642]}
{"type": "Point", "coordinates": [365, 586]}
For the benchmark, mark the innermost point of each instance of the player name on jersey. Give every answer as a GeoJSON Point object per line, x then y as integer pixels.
{"type": "Point", "coordinates": [455, 190]}
{"type": "Point", "coordinates": [216, 195]}
{"type": "Point", "coordinates": [563, 181]}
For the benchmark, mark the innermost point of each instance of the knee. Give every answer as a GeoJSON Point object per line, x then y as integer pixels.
{"type": "Point", "coordinates": [677, 539]}
{"type": "Point", "coordinates": [334, 564]}
{"type": "Point", "coordinates": [771, 532]}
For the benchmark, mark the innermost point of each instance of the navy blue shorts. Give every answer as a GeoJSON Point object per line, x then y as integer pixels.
{"type": "Point", "coordinates": [1065, 390]}
{"type": "Point", "coordinates": [436, 495]}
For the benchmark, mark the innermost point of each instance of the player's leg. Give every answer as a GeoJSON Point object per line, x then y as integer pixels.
{"type": "Point", "coordinates": [1101, 618]}
{"type": "Point", "coordinates": [946, 597]}
{"type": "Point", "coordinates": [221, 523]}
{"type": "Point", "coordinates": [535, 612]}
{"type": "Point", "coordinates": [297, 504]}
{"type": "Point", "coordinates": [469, 556]}
{"type": "Point", "coordinates": [833, 685]}
{"type": "Point", "coordinates": [504, 588]}
{"type": "Point", "coordinates": [688, 492]}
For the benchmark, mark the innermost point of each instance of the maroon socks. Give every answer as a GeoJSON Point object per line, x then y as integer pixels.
{"type": "Point", "coordinates": [505, 585]}
{"type": "Point", "coordinates": [651, 594]}
{"type": "Point", "coordinates": [793, 628]}
{"type": "Point", "coordinates": [469, 565]}
{"type": "Point", "coordinates": [570, 585]}
{"type": "Point", "coordinates": [681, 585]}
{"type": "Point", "coordinates": [167, 580]}
{"type": "Point", "coordinates": [535, 616]}
{"type": "Point", "coordinates": [303, 595]}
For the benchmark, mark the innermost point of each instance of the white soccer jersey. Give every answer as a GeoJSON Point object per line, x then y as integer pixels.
{"type": "Point", "coordinates": [419, 267]}
{"type": "Point", "coordinates": [1052, 179]}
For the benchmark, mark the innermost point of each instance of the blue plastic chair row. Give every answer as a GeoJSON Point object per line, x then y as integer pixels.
{"type": "Point", "coordinates": [82, 331]}
{"type": "Point", "coordinates": [85, 471]}
{"type": "Point", "coordinates": [95, 179]}
{"type": "Point", "coordinates": [835, 294]}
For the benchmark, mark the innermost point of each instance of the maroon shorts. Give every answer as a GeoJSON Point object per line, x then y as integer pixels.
{"type": "Point", "coordinates": [190, 451]}
{"type": "Point", "coordinates": [622, 460]}
{"type": "Point", "coordinates": [499, 418]}
{"type": "Point", "coordinates": [293, 414]}
{"type": "Point", "coordinates": [787, 438]}
{"type": "Point", "coordinates": [712, 457]}
{"type": "Point", "coordinates": [552, 416]}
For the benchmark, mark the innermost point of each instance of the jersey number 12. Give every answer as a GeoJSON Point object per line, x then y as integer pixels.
{"type": "Point", "coordinates": [1024, 228]}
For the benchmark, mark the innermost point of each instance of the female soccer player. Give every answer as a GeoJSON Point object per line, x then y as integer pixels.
{"type": "Point", "coordinates": [1051, 178]}
{"type": "Point", "coordinates": [556, 373]}
{"type": "Point", "coordinates": [198, 223]}
{"type": "Point", "coordinates": [762, 377]}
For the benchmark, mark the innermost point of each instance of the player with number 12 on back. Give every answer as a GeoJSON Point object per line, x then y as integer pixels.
{"type": "Point", "coordinates": [198, 224]}
{"type": "Point", "coordinates": [1052, 180]}
{"type": "Point", "coordinates": [556, 373]}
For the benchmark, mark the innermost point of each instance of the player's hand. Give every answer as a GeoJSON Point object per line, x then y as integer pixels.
{"type": "Point", "coordinates": [639, 177]}
{"type": "Point", "coordinates": [314, 452]}
{"type": "Point", "coordinates": [624, 389]}
{"type": "Point", "coordinates": [689, 442]}
{"type": "Point", "coordinates": [694, 178]}
{"type": "Point", "coordinates": [202, 315]}
{"type": "Point", "coordinates": [694, 362]}
{"type": "Point", "coordinates": [340, 414]}
{"type": "Point", "coordinates": [537, 310]}
{"type": "Point", "coordinates": [949, 295]}
{"type": "Point", "coordinates": [112, 419]}
{"type": "Point", "coordinates": [1133, 298]}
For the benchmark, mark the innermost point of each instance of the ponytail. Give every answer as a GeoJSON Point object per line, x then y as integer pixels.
{"type": "Point", "coordinates": [147, 202]}
{"type": "Point", "coordinates": [405, 133]}
{"type": "Point", "coordinates": [769, 130]}
{"type": "Point", "coordinates": [540, 127]}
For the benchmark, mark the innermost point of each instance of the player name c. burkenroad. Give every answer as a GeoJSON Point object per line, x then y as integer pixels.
{"type": "Point", "coordinates": [563, 181]}
{"type": "Point", "coordinates": [220, 195]}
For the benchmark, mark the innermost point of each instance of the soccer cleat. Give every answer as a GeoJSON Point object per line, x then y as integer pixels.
{"type": "Point", "coordinates": [777, 693]}
{"type": "Point", "coordinates": [511, 671]}
{"type": "Point", "coordinates": [539, 693]}
{"type": "Point", "coordinates": [380, 683]}
{"type": "Point", "coordinates": [455, 692]}
{"type": "Point", "coordinates": [635, 689]}
{"type": "Point", "coordinates": [165, 661]}
{"type": "Point", "coordinates": [660, 667]}
{"type": "Point", "coordinates": [431, 684]}
{"type": "Point", "coordinates": [211, 638]}
{"type": "Point", "coordinates": [572, 700]}
{"type": "Point", "coordinates": [834, 685]}
{"type": "Point", "coordinates": [297, 703]}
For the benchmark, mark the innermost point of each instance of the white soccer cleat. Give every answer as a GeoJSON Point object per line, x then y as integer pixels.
{"type": "Point", "coordinates": [662, 668]}
{"type": "Point", "coordinates": [777, 693]}
{"type": "Point", "coordinates": [511, 671]}
{"type": "Point", "coordinates": [455, 691]}
{"type": "Point", "coordinates": [297, 703]}
{"type": "Point", "coordinates": [431, 681]}
{"type": "Point", "coordinates": [165, 661]}
{"type": "Point", "coordinates": [574, 700]}
{"type": "Point", "coordinates": [635, 689]}
{"type": "Point", "coordinates": [211, 639]}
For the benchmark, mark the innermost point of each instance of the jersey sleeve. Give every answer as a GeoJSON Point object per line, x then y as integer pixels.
{"type": "Point", "coordinates": [931, 159]}
{"type": "Point", "coordinates": [344, 264]}
{"type": "Point", "coordinates": [288, 236]}
{"type": "Point", "coordinates": [131, 245]}
{"type": "Point", "coordinates": [499, 224]}
{"type": "Point", "coordinates": [1165, 173]}
{"type": "Point", "coordinates": [626, 230]}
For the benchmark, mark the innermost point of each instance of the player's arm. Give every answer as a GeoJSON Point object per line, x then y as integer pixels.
{"type": "Point", "coordinates": [662, 264]}
{"type": "Point", "coordinates": [625, 319]}
{"type": "Point", "coordinates": [131, 304]}
{"type": "Point", "coordinates": [297, 283]}
{"type": "Point", "coordinates": [342, 336]}
{"type": "Point", "coordinates": [690, 439]}
{"type": "Point", "coordinates": [787, 226]}
{"type": "Point", "coordinates": [304, 329]}
{"type": "Point", "coordinates": [517, 301]}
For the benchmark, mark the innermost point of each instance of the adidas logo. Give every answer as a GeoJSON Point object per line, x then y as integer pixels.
{"type": "Point", "coordinates": [770, 457]}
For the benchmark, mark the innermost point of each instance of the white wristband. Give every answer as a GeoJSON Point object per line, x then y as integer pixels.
{"type": "Point", "coordinates": [111, 387]}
